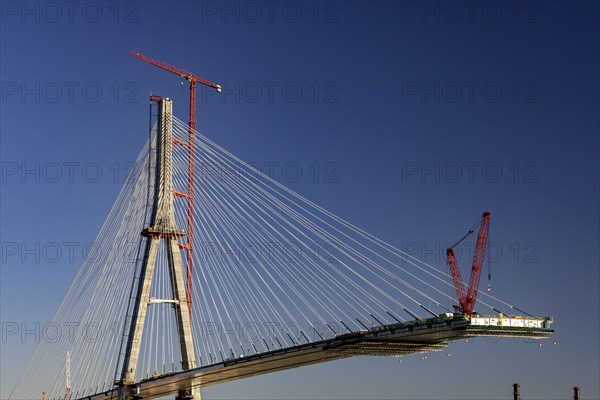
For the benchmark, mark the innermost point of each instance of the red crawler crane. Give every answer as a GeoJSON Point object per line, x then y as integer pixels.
{"type": "Point", "coordinates": [191, 145]}
{"type": "Point", "coordinates": [466, 301]}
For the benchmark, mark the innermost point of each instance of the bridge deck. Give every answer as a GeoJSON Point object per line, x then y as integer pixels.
{"type": "Point", "coordinates": [398, 339]}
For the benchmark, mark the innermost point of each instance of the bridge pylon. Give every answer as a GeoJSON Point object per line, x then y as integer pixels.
{"type": "Point", "coordinates": [163, 228]}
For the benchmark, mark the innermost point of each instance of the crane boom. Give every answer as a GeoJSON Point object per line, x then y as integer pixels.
{"type": "Point", "coordinates": [467, 301]}
{"type": "Point", "coordinates": [480, 246]}
{"type": "Point", "coordinates": [456, 277]}
{"type": "Point", "coordinates": [177, 71]}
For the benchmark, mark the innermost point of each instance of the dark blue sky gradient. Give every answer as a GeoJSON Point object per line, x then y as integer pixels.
{"type": "Point", "coordinates": [507, 91]}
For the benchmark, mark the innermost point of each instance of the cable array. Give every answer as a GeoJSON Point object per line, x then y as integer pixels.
{"type": "Point", "coordinates": [272, 270]}
{"type": "Point", "coordinates": [90, 319]}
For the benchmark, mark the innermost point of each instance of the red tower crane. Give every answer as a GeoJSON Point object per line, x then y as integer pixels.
{"type": "Point", "coordinates": [466, 300]}
{"type": "Point", "coordinates": [191, 145]}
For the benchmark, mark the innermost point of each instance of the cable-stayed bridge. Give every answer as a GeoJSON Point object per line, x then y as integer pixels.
{"type": "Point", "coordinates": [274, 282]}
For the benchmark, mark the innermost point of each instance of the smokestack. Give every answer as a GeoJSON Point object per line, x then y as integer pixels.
{"type": "Point", "coordinates": [576, 393]}
{"type": "Point", "coordinates": [516, 391]}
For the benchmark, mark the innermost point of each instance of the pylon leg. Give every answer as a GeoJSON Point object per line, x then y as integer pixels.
{"type": "Point", "coordinates": [184, 326]}
{"type": "Point", "coordinates": [143, 298]}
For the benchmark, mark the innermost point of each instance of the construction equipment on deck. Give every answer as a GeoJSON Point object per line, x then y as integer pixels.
{"type": "Point", "coordinates": [467, 300]}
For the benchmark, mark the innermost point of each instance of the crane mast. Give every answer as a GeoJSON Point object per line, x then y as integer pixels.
{"type": "Point", "coordinates": [191, 145]}
{"type": "Point", "coordinates": [466, 300]}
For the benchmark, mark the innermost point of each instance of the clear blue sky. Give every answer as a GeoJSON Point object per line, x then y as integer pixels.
{"type": "Point", "coordinates": [417, 117]}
